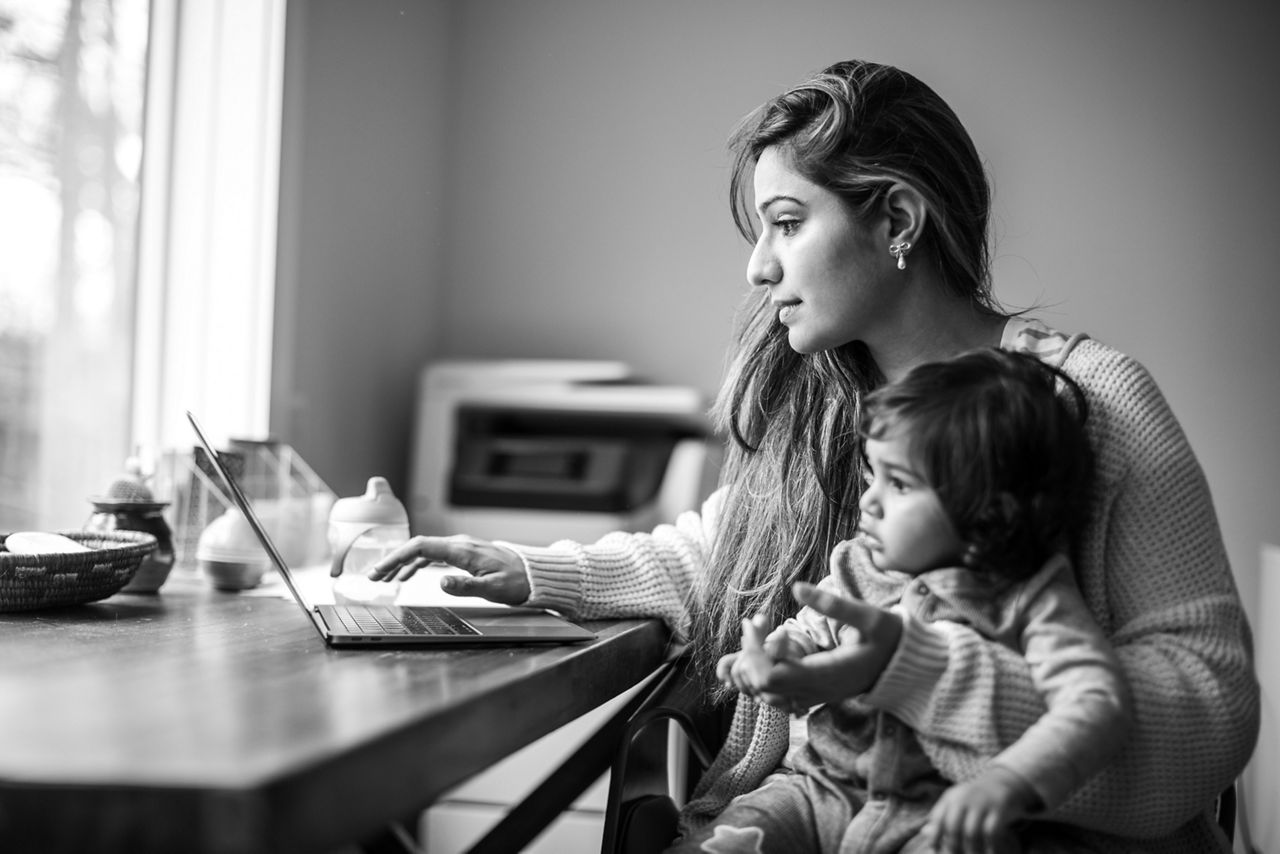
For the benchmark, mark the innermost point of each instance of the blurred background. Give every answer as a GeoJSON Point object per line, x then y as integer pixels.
{"type": "Point", "coordinates": [305, 203]}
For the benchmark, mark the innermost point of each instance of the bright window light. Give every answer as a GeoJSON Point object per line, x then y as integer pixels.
{"type": "Point", "coordinates": [139, 150]}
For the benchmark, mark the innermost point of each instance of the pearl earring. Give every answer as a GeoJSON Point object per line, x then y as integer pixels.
{"type": "Point", "coordinates": [899, 251]}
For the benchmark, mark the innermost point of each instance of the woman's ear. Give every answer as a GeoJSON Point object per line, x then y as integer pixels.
{"type": "Point", "coordinates": [905, 214]}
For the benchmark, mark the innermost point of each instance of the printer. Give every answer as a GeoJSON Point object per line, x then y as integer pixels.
{"type": "Point", "coordinates": [534, 451]}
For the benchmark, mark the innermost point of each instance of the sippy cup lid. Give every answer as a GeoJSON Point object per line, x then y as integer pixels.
{"type": "Point", "coordinates": [378, 506]}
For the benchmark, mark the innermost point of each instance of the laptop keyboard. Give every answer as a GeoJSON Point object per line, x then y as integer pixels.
{"type": "Point", "coordinates": [402, 621]}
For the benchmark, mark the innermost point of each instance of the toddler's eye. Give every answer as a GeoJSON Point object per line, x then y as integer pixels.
{"type": "Point", "coordinates": [898, 484]}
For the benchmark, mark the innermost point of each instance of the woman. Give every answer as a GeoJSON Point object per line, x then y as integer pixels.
{"type": "Point", "coordinates": [871, 257]}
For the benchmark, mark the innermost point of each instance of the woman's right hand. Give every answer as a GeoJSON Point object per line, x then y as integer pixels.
{"type": "Point", "coordinates": [495, 573]}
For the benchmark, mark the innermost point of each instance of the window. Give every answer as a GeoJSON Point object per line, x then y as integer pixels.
{"type": "Point", "coordinates": [139, 257]}
{"type": "Point", "coordinates": [72, 77]}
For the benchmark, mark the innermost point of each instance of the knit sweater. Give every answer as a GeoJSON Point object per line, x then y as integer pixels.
{"type": "Point", "coordinates": [1152, 568]}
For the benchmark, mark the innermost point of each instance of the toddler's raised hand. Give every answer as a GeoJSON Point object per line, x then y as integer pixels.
{"type": "Point", "coordinates": [751, 670]}
{"type": "Point", "coordinates": [745, 671]}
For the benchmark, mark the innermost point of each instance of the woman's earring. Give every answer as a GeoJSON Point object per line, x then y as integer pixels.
{"type": "Point", "coordinates": [899, 251]}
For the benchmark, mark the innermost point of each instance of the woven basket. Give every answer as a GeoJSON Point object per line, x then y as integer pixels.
{"type": "Point", "coordinates": [32, 581]}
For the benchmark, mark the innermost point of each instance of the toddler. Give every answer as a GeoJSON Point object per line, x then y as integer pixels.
{"type": "Point", "coordinates": [977, 473]}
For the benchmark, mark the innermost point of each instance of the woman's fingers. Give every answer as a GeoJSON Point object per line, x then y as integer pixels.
{"type": "Point", "coordinates": [494, 572]}
{"type": "Point", "coordinates": [408, 570]}
{"type": "Point", "coordinates": [460, 551]}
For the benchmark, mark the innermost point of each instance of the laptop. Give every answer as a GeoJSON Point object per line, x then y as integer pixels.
{"type": "Point", "coordinates": [403, 625]}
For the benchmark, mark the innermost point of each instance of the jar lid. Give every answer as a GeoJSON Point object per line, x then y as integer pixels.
{"type": "Point", "coordinates": [113, 505]}
{"type": "Point", "coordinates": [129, 487]}
{"type": "Point", "coordinates": [378, 506]}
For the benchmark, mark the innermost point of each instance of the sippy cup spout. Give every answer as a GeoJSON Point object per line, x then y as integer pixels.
{"type": "Point", "coordinates": [377, 489]}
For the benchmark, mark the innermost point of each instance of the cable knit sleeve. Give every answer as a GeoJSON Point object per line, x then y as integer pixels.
{"type": "Point", "coordinates": [1154, 572]}
{"type": "Point", "coordinates": [625, 574]}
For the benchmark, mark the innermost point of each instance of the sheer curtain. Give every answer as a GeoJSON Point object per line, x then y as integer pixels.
{"type": "Point", "coordinates": [139, 151]}
{"type": "Point", "coordinates": [207, 269]}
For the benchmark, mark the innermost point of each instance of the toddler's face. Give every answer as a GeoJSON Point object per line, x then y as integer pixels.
{"type": "Point", "coordinates": [903, 524]}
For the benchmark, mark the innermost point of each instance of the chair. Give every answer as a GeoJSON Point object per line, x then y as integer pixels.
{"type": "Point", "coordinates": [1225, 810]}
{"type": "Point", "coordinates": [663, 751]}
{"type": "Point", "coordinates": [1233, 818]}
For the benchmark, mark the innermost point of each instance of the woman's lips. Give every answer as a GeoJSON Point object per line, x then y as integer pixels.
{"type": "Point", "coordinates": [786, 311]}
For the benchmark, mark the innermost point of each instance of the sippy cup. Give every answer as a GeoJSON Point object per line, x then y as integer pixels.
{"type": "Point", "coordinates": [362, 530]}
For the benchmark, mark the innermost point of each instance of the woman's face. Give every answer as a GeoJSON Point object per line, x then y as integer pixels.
{"type": "Point", "coordinates": [826, 272]}
{"type": "Point", "coordinates": [902, 522]}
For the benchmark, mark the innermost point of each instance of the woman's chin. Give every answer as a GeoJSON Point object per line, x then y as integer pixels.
{"type": "Point", "coordinates": [802, 345]}
{"type": "Point", "coordinates": [806, 343]}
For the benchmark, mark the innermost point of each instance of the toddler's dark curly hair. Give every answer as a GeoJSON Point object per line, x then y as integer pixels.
{"type": "Point", "coordinates": [1000, 437]}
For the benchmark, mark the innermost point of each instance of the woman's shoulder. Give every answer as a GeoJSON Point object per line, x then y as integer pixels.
{"type": "Point", "coordinates": [1036, 338]}
{"type": "Point", "coordinates": [1130, 423]}
{"type": "Point", "coordinates": [1114, 379]}
{"type": "Point", "coordinates": [1126, 404]}
{"type": "Point", "coordinates": [1099, 368]}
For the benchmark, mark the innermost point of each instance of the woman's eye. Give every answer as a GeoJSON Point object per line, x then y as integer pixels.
{"type": "Point", "coordinates": [788, 227]}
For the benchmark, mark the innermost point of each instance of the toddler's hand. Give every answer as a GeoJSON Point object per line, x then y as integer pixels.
{"type": "Point", "coordinates": [975, 817]}
{"type": "Point", "coordinates": [751, 670]}
{"type": "Point", "coordinates": [745, 671]}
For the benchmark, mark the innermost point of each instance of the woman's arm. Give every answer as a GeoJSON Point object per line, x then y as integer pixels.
{"type": "Point", "coordinates": [621, 575]}
{"type": "Point", "coordinates": [649, 574]}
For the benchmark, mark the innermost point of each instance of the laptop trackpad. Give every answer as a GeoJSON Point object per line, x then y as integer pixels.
{"type": "Point", "coordinates": [520, 621]}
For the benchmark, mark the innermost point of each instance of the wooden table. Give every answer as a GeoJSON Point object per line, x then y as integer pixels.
{"type": "Point", "coordinates": [202, 721]}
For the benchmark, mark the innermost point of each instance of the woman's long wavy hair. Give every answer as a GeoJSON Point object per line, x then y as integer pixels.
{"type": "Point", "coordinates": [794, 457]}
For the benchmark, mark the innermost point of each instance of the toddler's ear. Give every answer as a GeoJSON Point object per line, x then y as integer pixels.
{"type": "Point", "coordinates": [1000, 522]}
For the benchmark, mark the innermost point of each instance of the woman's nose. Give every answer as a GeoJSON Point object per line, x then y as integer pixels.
{"type": "Point", "coordinates": [763, 267]}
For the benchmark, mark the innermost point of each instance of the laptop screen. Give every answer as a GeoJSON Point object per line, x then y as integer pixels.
{"type": "Point", "coordinates": [242, 502]}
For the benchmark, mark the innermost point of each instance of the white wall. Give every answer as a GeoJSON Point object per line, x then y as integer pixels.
{"type": "Point", "coordinates": [1133, 184]}
{"type": "Point", "coordinates": [364, 223]}
{"type": "Point", "coordinates": [548, 178]}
